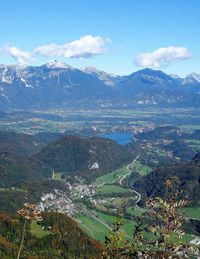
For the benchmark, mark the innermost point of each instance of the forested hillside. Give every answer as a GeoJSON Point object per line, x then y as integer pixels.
{"type": "Point", "coordinates": [56, 237]}
{"type": "Point", "coordinates": [87, 157]}
{"type": "Point", "coordinates": [188, 180]}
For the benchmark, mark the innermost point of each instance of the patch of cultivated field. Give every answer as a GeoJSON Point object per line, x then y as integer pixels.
{"type": "Point", "coordinates": [190, 127]}
{"type": "Point", "coordinates": [93, 227]}
{"type": "Point", "coordinates": [128, 227]}
{"type": "Point", "coordinates": [134, 211]}
{"type": "Point", "coordinates": [185, 238]}
{"type": "Point", "coordinates": [37, 230]}
{"type": "Point", "coordinates": [193, 212]}
{"type": "Point", "coordinates": [58, 176]}
{"type": "Point", "coordinates": [193, 141]}
{"type": "Point", "coordinates": [109, 189]}
{"type": "Point", "coordinates": [111, 177]}
{"type": "Point", "coordinates": [140, 168]}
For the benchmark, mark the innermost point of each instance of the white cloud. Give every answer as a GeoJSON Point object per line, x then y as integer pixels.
{"type": "Point", "coordinates": [162, 57]}
{"type": "Point", "coordinates": [84, 47]}
{"type": "Point", "coordinates": [20, 56]}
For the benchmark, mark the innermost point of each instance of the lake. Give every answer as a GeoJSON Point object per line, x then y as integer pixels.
{"type": "Point", "coordinates": [121, 138]}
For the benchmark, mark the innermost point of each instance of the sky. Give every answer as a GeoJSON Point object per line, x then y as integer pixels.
{"type": "Point", "coordinates": [117, 36]}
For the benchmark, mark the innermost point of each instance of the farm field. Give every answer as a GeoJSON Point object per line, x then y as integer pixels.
{"type": "Point", "coordinates": [98, 122]}
{"type": "Point", "coordinates": [100, 218]}
{"type": "Point", "coordinates": [111, 177]}
{"type": "Point", "coordinates": [193, 212]}
{"type": "Point", "coordinates": [140, 168]}
{"type": "Point", "coordinates": [37, 230]}
{"type": "Point", "coordinates": [109, 189]}
{"type": "Point", "coordinates": [92, 227]}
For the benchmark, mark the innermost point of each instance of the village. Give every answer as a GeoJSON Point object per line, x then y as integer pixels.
{"type": "Point", "coordinates": [64, 202]}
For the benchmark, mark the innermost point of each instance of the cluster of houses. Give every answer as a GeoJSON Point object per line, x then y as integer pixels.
{"type": "Point", "coordinates": [62, 201]}
{"type": "Point", "coordinates": [59, 201]}
{"type": "Point", "coordinates": [30, 212]}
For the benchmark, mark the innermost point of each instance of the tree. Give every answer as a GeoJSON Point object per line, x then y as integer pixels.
{"type": "Point", "coordinates": [28, 212]}
{"type": "Point", "coordinates": [167, 222]}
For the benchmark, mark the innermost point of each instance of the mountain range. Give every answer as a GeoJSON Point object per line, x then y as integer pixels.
{"type": "Point", "coordinates": [58, 85]}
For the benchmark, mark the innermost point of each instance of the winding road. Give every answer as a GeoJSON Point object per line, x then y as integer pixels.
{"type": "Point", "coordinates": [120, 179]}
{"type": "Point", "coordinates": [134, 191]}
{"type": "Point", "coordinates": [129, 170]}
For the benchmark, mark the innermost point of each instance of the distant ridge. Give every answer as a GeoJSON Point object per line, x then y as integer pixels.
{"type": "Point", "coordinates": [58, 85]}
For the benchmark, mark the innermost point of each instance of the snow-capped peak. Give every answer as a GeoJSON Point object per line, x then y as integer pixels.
{"type": "Point", "coordinates": [90, 70]}
{"type": "Point", "coordinates": [56, 64]}
{"type": "Point", "coordinates": [109, 79]}
{"type": "Point", "coordinates": [175, 76]}
{"type": "Point", "coordinates": [94, 70]}
{"type": "Point", "coordinates": [194, 76]}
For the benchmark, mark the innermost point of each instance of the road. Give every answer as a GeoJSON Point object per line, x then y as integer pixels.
{"type": "Point", "coordinates": [120, 179]}
{"type": "Point", "coordinates": [134, 191]}
{"type": "Point", "coordinates": [129, 170]}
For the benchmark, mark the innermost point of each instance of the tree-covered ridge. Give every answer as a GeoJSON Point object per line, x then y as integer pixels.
{"type": "Point", "coordinates": [151, 185]}
{"type": "Point", "coordinates": [168, 132]}
{"type": "Point", "coordinates": [16, 169]}
{"type": "Point", "coordinates": [88, 157]}
{"type": "Point", "coordinates": [62, 238]}
{"type": "Point", "coordinates": [25, 144]}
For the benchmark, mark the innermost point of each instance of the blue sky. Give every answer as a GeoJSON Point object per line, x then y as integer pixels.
{"type": "Point", "coordinates": [118, 36]}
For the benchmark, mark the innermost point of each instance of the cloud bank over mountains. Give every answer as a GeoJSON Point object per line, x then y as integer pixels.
{"type": "Point", "coordinates": [21, 57]}
{"type": "Point", "coordinates": [85, 47]}
{"type": "Point", "coordinates": [90, 46]}
{"type": "Point", "coordinates": [162, 57]}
